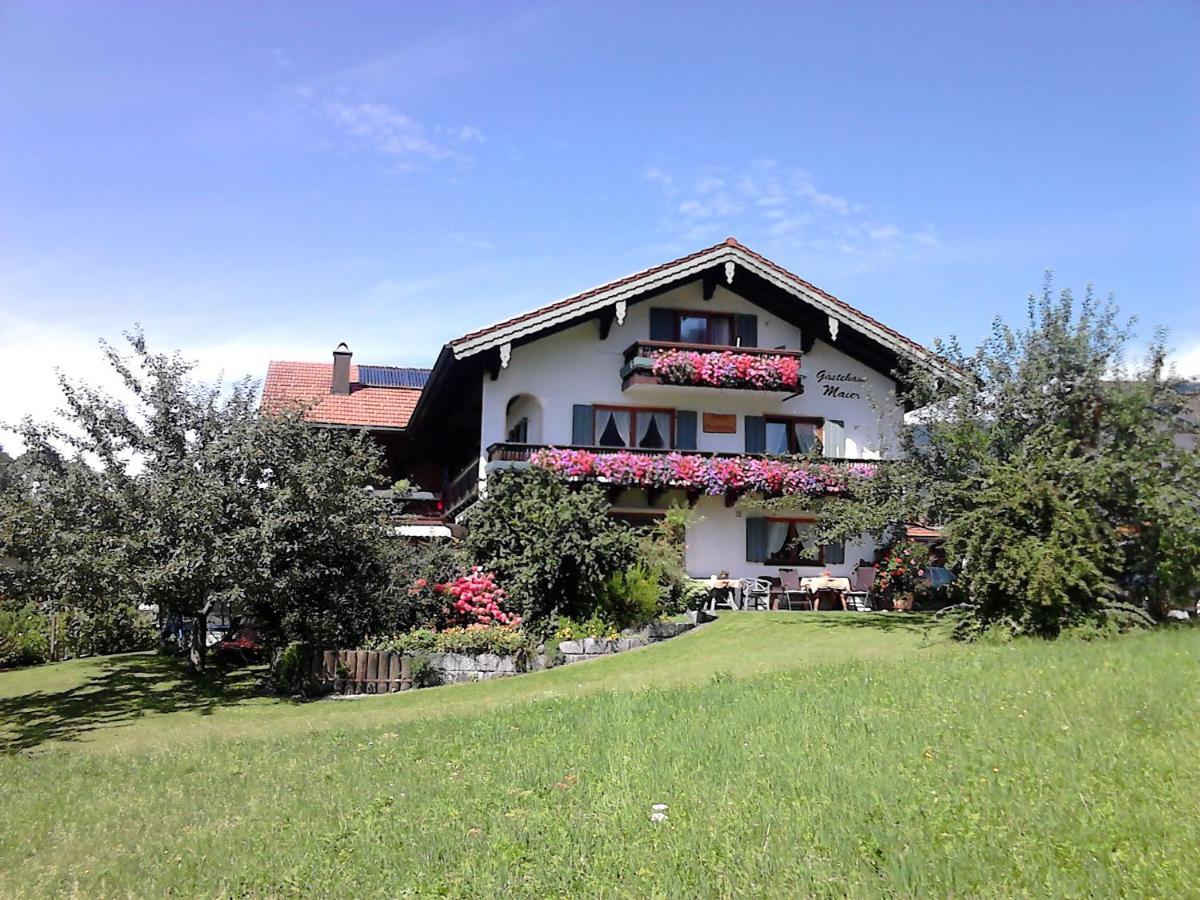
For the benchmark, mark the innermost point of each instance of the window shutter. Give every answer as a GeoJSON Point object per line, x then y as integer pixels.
{"type": "Point", "coordinates": [756, 540]}
{"type": "Point", "coordinates": [834, 554]}
{"type": "Point", "coordinates": [685, 429]}
{"type": "Point", "coordinates": [662, 325]}
{"type": "Point", "coordinates": [756, 434]}
{"type": "Point", "coordinates": [747, 330]}
{"type": "Point", "coordinates": [582, 425]}
{"type": "Point", "coordinates": [835, 438]}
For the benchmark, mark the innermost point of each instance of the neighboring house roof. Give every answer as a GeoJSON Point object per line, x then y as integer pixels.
{"type": "Point", "coordinates": [730, 254]}
{"type": "Point", "coordinates": [922, 533]}
{"type": "Point", "coordinates": [299, 384]}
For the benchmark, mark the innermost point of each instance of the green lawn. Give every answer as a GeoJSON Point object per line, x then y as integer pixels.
{"type": "Point", "coordinates": [798, 755]}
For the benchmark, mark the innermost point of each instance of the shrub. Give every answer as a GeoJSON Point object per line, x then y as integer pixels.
{"type": "Point", "coordinates": [551, 544]}
{"type": "Point", "coordinates": [594, 627]}
{"type": "Point", "coordinates": [293, 670]}
{"type": "Point", "coordinates": [903, 568]}
{"type": "Point", "coordinates": [24, 636]}
{"type": "Point", "coordinates": [476, 599]}
{"type": "Point", "coordinates": [471, 639]}
{"type": "Point", "coordinates": [415, 570]}
{"type": "Point", "coordinates": [631, 598]}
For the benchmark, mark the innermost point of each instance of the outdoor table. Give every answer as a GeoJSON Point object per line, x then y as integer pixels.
{"type": "Point", "coordinates": [733, 586]}
{"type": "Point", "coordinates": [817, 583]}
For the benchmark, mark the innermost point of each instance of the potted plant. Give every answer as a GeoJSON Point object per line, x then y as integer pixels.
{"type": "Point", "coordinates": [902, 567]}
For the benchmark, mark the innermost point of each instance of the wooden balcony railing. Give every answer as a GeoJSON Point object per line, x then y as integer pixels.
{"type": "Point", "coordinates": [461, 489]}
{"type": "Point", "coordinates": [612, 466]}
{"type": "Point", "coordinates": [646, 349]}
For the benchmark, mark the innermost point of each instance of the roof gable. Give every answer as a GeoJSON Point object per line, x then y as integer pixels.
{"type": "Point", "coordinates": [741, 270]}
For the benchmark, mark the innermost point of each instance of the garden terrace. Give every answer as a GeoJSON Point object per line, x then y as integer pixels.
{"type": "Point", "coordinates": [716, 474]}
{"type": "Point", "coordinates": [706, 365]}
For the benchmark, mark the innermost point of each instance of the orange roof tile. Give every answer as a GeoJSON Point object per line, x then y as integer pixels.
{"type": "Point", "coordinates": [293, 384]}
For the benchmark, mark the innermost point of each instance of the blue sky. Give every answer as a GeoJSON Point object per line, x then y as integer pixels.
{"type": "Point", "coordinates": [251, 180]}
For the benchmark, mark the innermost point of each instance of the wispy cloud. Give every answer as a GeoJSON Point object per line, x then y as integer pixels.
{"type": "Point", "coordinates": [781, 207]}
{"type": "Point", "coordinates": [400, 137]}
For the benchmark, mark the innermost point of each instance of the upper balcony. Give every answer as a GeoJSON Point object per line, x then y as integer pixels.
{"type": "Point", "coordinates": [711, 366]}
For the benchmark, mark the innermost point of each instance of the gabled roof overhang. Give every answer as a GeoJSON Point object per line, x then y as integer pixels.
{"type": "Point", "coordinates": [728, 263]}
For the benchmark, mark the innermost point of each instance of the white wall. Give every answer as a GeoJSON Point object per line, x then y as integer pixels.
{"type": "Point", "coordinates": [575, 366]}
{"type": "Point", "coordinates": [718, 543]}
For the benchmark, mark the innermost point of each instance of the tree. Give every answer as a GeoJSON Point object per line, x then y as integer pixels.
{"type": "Point", "coordinates": [551, 544]}
{"type": "Point", "coordinates": [1052, 464]}
{"type": "Point", "coordinates": [182, 495]}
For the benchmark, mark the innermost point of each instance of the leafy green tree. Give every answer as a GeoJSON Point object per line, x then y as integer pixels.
{"type": "Point", "coordinates": [182, 495]}
{"type": "Point", "coordinates": [1052, 464]}
{"type": "Point", "coordinates": [551, 544]}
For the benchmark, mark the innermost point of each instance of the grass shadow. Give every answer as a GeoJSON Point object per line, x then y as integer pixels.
{"type": "Point", "coordinates": [844, 620]}
{"type": "Point", "coordinates": [122, 689]}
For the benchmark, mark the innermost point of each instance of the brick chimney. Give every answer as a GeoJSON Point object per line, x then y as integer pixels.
{"type": "Point", "coordinates": [341, 370]}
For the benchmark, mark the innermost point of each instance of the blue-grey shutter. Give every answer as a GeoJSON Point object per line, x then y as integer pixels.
{"type": "Point", "coordinates": [756, 540]}
{"type": "Point", "coordinates": [685, 429]}
{"type": "Point", "coordinates": [756, 434]}
{"type": "Point", "coordinates": [662, 325]}
{"type": "Point", "coordinates": [747, 330]}
{"type": "Point", "coordinates": [582, 425]}
{"type": "Point", "coordinates": [835, 554]}
{"type": "Point", "coordinates": [835, 438]}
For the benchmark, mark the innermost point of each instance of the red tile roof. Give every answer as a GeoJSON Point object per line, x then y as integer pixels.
{"type": "Point", "coordinates": [292, 384]}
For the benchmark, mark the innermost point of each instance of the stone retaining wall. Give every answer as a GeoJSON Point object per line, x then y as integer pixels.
{"type": "Point", "coordinates": [590, 648]}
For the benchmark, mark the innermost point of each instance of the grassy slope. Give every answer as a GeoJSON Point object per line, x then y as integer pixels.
{"type": "Point", "coordinates": [913, 767]}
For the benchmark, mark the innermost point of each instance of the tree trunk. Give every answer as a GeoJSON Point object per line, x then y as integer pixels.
{"type": "Point", "coordinates": [198, 649]}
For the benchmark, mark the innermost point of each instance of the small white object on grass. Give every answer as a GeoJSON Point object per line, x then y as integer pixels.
{"type": "Point", "coordinates": [658, 812]}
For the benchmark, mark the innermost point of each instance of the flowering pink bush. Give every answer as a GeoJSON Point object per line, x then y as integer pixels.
{"type": "Point", "coordinates": [729, 370]}
{"type": "Point", "coordinates": [476, 600]}
{"type": "Point", "coordinates": [712, 475]}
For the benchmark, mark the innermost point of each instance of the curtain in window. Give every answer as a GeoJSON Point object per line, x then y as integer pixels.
{"type": "Point", "coordinates": [777, 437]}
{"type": "Point", "coordinates": [777, 532]}
{"type": "Point", "coordinates": [806, 437]}
{"type": "Point", "coordinates": [806, 547]}
{"type": "Point", "coordinates": [835, 438]}
{"type": "Point", "coordinates": [612, 427]}
{"type": "Point", "coordinates": [654, 430]}
{"type": "Point", "coordinates": [720, 332]}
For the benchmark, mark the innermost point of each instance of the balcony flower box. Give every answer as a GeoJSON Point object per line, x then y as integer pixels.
{"type": "Point", "coordinates": [726, 369]}
{"type": "Point", "coordinates": [712, 475]}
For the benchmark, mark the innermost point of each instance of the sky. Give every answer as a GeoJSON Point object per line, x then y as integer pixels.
{"type": "Point", "coordinates": [262, 180]}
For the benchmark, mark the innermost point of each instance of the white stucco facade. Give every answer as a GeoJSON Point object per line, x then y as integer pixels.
{"type": "Point", "coordinates": [546, 378]}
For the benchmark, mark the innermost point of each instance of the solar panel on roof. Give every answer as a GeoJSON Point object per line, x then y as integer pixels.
{"type": "Point", "coordinates": [392, 377]}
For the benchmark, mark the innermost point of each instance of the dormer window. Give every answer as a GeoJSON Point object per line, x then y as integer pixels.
{"type": "Point", "coordinates": [704, 328]}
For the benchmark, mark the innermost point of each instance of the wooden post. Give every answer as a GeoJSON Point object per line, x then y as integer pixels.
{"type": "Point", "coordinates": [393, 672]}
{"type": "Point", "coordinates": [360, 671]}
{"type": "Point", "coordinates": [406, 679]}
{"type": "Point", "coordinates": [372, 679]}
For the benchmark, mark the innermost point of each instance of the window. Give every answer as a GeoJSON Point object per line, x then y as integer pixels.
{"type": "Point", "coordinates": [704, 328]}
{"type": "Point", "coordinates": [519, 433]}
{"type": "Point", "coordinates": [790, 542]}
{"type": "Point", "coordinates": [648, 429]}
{"type": "Point", "coordinates": [789, 435]}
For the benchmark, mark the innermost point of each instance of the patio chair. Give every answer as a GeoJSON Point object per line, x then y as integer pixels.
{"type": "Point", "coordinates": [794, 596]}
{"type": "Point", "coordinates": [756, 593]}
{"type": "Point", "coordinates": [859, 596]}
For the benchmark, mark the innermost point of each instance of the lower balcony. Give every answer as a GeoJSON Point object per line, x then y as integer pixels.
{"type": "Point", "coordinates": [713, 474]}
{"type": "Point", "coordinates": [705, 366]}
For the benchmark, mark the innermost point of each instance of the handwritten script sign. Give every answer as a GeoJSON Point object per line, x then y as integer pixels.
{"type": "Point", "coordinates": [841, 385]}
